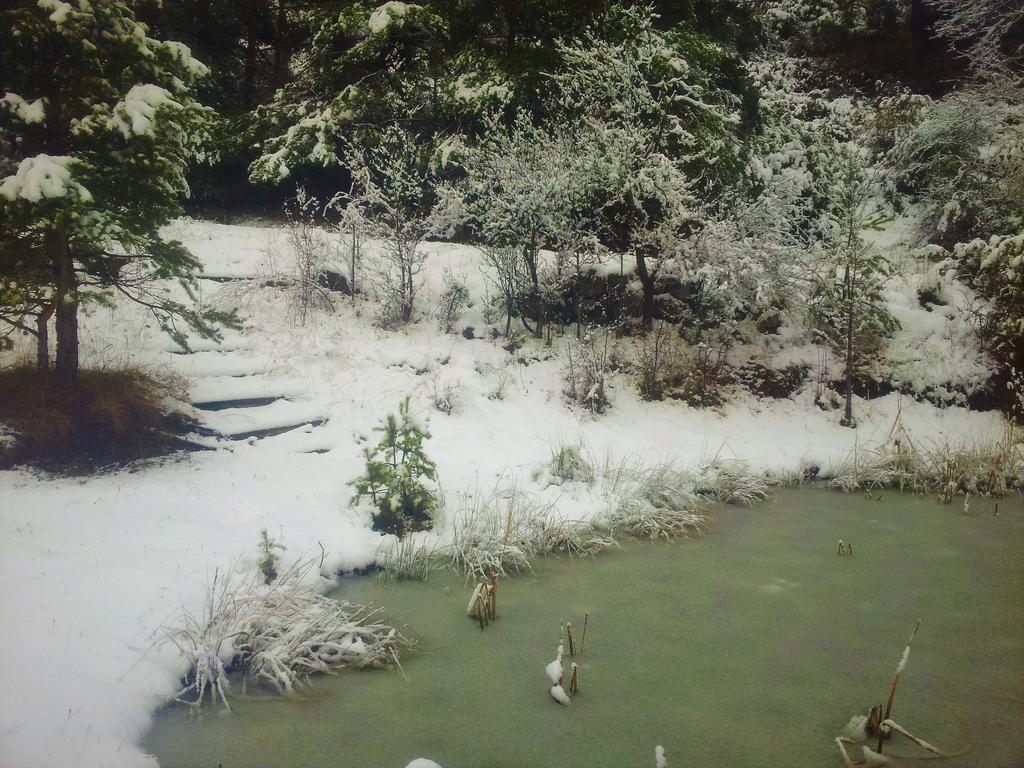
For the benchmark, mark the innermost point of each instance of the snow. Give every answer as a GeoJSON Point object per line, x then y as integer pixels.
{"type": "Point", "coordinates": [42, 177]}
{"type": "Point", "coordinates": [872, 758]}
{"type": "Point", "coordinates": [856, 729]}
{"type": "Point", "coordinates": [135, 114]}
{"type": "Point", "coordinates": [558, 694]}
{"type": "Point", "coordinates": [554, 671]}
{"type": "Point", "coordinates": [59, 10]}
{"type": "Point", "coordinates": [90, 569]}
{"type": "Point", "coordinates": [183, 54]}
{"type": "Point", "coordinates": [26, 111]}
{"type": "Point", "coordinates": [382, 16]}
{"type": "Point", "coordinates": [903, 661]}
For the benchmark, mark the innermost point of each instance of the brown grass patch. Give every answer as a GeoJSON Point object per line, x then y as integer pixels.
{"type": "Point", "coordinates": [104, 417]}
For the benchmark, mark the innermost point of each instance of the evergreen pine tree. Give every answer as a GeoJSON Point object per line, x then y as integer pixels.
{"type": "Point", "coordinates": [97, 127]}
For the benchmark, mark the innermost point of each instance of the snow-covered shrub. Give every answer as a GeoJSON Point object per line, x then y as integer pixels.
{"type": "Point", "coordinates": [311, 250]}
{"type": "Point", "coordinates": [275, 634]}
{"type": "Point", "coordinates": [351, 228]}
{"type": "Point", "coordinates": [504, 268]}
{"type": "Point", "coordinates": [454, 298]}
{"type": "Point", "coordinates": [569, 466]}
{"type": "Point", "coordinates": [586, 368]}
{"type": "Point", "coordinates": [502, 378]}
{"type": "Point", "coordinates": [704, 375]}
{"type": "Point", "coordinates": [765, 381]}
{"type": "Point", "coordinates": [397, 475]}
{"type": "Point", "coordinates": [826, 26]}
{"type": "Point", "coordinates": [659, 362]}
{"type": "Point", "coordinates": [521, 183]}
{"type": "Point", "coordinates": [446, 397]}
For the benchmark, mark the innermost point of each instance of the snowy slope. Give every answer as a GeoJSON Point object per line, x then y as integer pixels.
{"type": "Point", "coordinates": [89, 569]}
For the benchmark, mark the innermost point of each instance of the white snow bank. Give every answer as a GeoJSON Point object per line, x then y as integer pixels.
{"type": "Point", "coordinates": [43, 177]}
{"type": "Point", "coordinates": [91, 569]}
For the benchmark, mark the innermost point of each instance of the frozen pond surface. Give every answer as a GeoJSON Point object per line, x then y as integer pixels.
{"type": "Point", "coordinates": [750, 648]}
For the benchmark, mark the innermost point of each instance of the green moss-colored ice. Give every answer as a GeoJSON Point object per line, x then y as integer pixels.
{"type": "Point", "coordinates": [750, 648]}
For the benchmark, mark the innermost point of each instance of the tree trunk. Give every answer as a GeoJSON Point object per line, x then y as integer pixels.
{"type": "Point", "coordinates": [531, 257]}
{"type": "Point", "coordinates": [918, 23]}
{"type": "Point", "coordinates": [352, 275]}
{"type": "Point", "coordinates": [647, 282]}
{"type": "Point", "coordinates": [249, 71]}
{"type": "Point", "coordinates": [282, 46]}
{"type": "Point", "coordinates": [43, 337]}
{"type": "Point", "coordinates": [67, 306]}
{"type": "Point", "coordinates": [848, 411]}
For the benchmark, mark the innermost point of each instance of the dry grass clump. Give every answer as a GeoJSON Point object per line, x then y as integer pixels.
{"type": "Point", "coordinates": [663, 502]}
{"type": "Point", "coordinates": [411, 559]}
{"type": "Point", "coordinates": [987, 469]}
{"type": "Point", "coordinates": [568, 465]}
{"type": "Point", "coordinates": [496, 534]}
{"type": "Point", "coordinates": [732, 482]}
{"type": "Point", "coordinates": [105, 416]}
{"type": "Point", "coordinates": [504, 534]}
{"type": "Point", "coordinates": [657, 502]}
{"type": "Point", "coordinates": [276, 634]}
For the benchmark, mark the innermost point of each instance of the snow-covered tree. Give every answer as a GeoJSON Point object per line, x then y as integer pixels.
{"type": "Point", "coordinates": [963, 157]}
{"type": "Point", "coordinates": [520, 186]}
{"type": "Point", "coordinates": [846, 305]}
{"type": "Point", "coordinates": [989, 32]}
{"type": "Point", "coordinates": [655, 130]}
{"type": "Point", "coordinates": [995, 268]}
{"type": "Point", "coordinates": [393, 187]}
{"type": "Point", "coordinates": [97, 126]}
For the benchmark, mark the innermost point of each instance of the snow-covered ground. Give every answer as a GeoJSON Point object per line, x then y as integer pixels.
{"type": "Point", "coordinates": [90, 568]}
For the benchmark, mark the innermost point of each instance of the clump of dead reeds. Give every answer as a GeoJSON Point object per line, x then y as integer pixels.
{"type": "Point", "coordinates": [947, 469]}
{"type": "Point", "coordinates": [410, 558]}
{"type": "Point", "coordinates": [276, 634]}
{"type": "Point", "coordinates": [503, 533]}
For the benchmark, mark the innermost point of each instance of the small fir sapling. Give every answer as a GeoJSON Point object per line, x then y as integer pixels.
{"type": "Point", "coordinates": [397, 469]}
{"type": "Point", "coordinates": [269, 557]}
